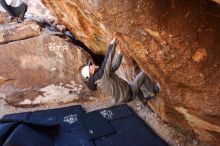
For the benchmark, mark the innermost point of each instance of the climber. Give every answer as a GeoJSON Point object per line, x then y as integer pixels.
{"type": "Point", "coordinates": [15, 8]}
{"type": "Point", "coordinates": [104, 78]}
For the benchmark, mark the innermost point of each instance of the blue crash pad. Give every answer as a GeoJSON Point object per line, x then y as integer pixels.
{"type": "Point", "coordinates": [5, 130]}
{"type": "Point", "coordinates": [26, 136]}
{"type": "Point", "coordinates": [76, 137]}
{"type": "Point", "coordinates": [19, 117]}
{"type": "Point", "coordinates": [51, 124]}
{"type": "Point", "coordinates": [95, 126]}
{"type": "Point", "coordinates": [71, 126]}
{"type": "Point", "coordinates": [70, 132]}
{"type": "Point", "coordinates": [116, 112]}
{"type": "Point", "coordinates": [130, 129]}
{"type": "Point", "coordinates": [44, 117]}
{"type": "Point", "coordinates": [68, 118]}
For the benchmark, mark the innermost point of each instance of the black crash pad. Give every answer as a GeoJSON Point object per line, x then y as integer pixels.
{"type": "Point", "coordinates": [71, 126]}
{"type": "Point", "coordinates": [26, 136]}
{"type": "Point", "coordinates": [19, 117]}
{"type": "Point", "coordinates": [68, 118]}
{"type": "Point", "coordinates": [5, 130]}
{"type": "Point", "coordinates": [130, 129]}
{"type": "Point", "coordinates": [95, 126]}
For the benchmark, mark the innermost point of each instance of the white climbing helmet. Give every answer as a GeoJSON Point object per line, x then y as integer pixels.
{"type": "Point", "coordinates": [14, 3]}
{"type": "Point", "coordinates": [85, 71]}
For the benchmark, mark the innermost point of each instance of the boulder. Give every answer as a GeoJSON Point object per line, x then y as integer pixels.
{"type": "Point", "coordinates": [3, 17]}
{"type": "Point", "coordinates": [14, 31]}
{"type": "Point", "coordinates": [177, 42]}
{"type": "Point", "coordinates": [38, 68]}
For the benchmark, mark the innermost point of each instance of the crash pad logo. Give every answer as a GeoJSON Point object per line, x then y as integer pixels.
{"type": "Point", "coordinates": [107, 114]}
{"type": "Point", "coordinates": [70, 119]}
{"type": "Point", "coordinates": [91, 132]}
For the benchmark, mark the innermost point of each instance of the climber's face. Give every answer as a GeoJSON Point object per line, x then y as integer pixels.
{"type": "Point", "coordinates": [92, 69]}
{"type": "Point", "coordinates": [88, 70]}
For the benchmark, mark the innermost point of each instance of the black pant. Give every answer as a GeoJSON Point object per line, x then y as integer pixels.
{"type": "Point", "coordinates": [14, 11]}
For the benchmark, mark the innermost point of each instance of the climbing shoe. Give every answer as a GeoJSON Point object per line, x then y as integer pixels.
{"type": "Point", "coordinates": [24, 10]}
{"type": "Point", "coordinates": [145, 95]}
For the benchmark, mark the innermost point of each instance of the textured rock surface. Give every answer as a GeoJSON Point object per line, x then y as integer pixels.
{"type": "Point", "coordinates": [37, 9]}
{"type": "Point", "coordinates": [177, 42]}
{"type": "Point", "coordinates": [3, 17]}
{"type": "Point", "coordinates": [10, 32]}
{"type": "Point", "coordinates": [37, 68]}
{"type": "Point", "coordinates": [217, 1]}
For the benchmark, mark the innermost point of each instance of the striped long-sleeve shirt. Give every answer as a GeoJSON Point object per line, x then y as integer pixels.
{"type": "Point", "coordinates": [107, 81]}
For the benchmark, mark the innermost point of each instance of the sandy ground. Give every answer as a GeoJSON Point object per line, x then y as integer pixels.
{"type": "Point", "coordinates": [165, 131]}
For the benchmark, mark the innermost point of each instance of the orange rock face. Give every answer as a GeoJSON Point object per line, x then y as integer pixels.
{"type": "Point", "coordinates": [177, 42]}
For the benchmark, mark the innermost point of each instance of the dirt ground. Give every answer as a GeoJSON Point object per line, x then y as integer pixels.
{"type": "Point", "coordinates": [168, 133]}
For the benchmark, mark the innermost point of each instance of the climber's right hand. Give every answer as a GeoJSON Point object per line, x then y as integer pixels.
{"type": "Point", "coordinates": [113, 41]}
